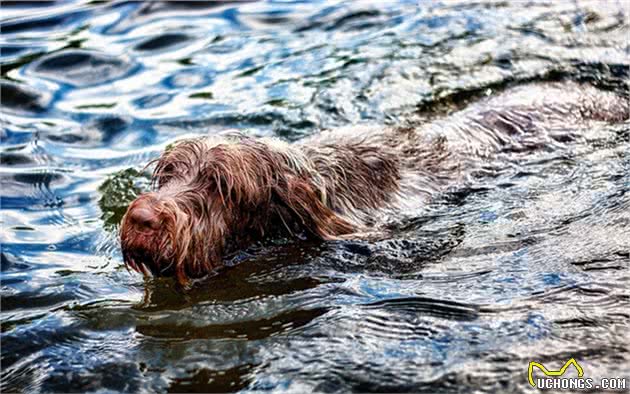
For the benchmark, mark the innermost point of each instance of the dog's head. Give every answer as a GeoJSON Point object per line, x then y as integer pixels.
{"type": "Point", "coordinates": [214, 196]}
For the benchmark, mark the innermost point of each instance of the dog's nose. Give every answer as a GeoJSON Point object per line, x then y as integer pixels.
{"type": "Point", "coordinates": [143, 217]}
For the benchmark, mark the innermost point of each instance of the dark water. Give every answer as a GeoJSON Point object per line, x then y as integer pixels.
{"type": "Point", "coordinates": [533, 263]}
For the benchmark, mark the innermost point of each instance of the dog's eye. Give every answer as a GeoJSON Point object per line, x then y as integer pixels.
{"type": "Point", "coordinates": [163, 173]}
{"type": "Point", "coordinates": [168, 169]}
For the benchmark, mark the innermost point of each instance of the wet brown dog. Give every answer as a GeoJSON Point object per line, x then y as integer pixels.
{"type": "Point", "coordinates": [216, 195]}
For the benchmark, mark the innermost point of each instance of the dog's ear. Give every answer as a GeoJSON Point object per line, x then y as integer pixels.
{"type": "Point", "coordinates": [299, 198]}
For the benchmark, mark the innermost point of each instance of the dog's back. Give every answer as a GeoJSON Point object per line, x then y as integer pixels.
{"type": "Point", "coordinates": [368, 169]}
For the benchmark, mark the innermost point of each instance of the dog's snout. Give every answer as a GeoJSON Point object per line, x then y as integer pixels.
{"type": "Point", "coordinates": [144, 217]}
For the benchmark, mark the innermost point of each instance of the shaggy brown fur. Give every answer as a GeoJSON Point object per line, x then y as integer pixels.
{"type": "Point", "coordinates": [216, 195]}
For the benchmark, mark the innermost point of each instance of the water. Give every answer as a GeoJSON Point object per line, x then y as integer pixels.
{"type": "Point", "coordinates": [531, 264]}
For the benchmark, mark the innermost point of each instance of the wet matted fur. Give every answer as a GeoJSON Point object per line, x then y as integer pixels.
{"type": "Point", "coordinates": [215, 195]}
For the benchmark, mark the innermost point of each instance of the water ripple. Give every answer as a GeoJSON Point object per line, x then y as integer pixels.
{"type": "Point", "coordinates": [529, 261]}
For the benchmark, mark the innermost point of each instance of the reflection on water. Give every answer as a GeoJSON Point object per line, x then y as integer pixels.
{"type": "Point", "coordinates": [530, 264]}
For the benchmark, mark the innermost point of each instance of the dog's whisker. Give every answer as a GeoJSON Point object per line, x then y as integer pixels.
{"type": "Point", "coordinates": [165, 269]}
{"type": "Point", "coordinates": [146, 271]}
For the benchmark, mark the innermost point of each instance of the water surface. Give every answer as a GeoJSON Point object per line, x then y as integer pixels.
{"type": "Point", "coordinates": [532, 263]}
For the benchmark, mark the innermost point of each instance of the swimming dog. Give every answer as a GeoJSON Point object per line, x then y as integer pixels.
{"type": "Point", "coordinates": [218, 194]}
